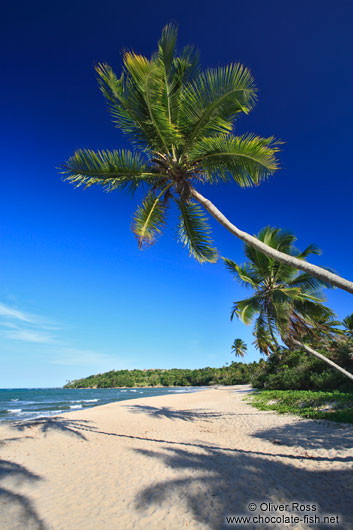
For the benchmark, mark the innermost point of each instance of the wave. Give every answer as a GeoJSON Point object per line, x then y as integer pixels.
{"type": "Point", "coordinates": [83, 400]}
{"type": "Point", "coordinates": [181, 391]}
{"type": "Point", "coordinates": [75, 406]}
{"type": "Point", "coordinates": [14, 399]}
{"type": "Point", "coordinates": [14, 410]}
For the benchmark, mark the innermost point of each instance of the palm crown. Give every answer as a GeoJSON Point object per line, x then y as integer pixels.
{"type": "Point", "coordinates": [239, 348]}
{"type": "Point", "coordinates": [181, 122]}
{"type": "Point", "coordinates": [285, 302]}
{"type": "Point", "coordinates": [348, 324]}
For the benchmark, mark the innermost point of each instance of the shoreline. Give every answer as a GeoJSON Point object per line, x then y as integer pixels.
{"type": "Point", "coordinates": [65, 400]}
{"type": "Point", "coordinates": [144, 386]}
{"type": "Point", "coordinates": [172, 461]}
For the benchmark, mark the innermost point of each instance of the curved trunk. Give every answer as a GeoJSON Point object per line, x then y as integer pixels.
{"type": "Point", "coordinates": [292, 261]}
{"type": "Point", "coordinates": [323, 358]}
{"type": "Point", "coordinates": [271, 330]}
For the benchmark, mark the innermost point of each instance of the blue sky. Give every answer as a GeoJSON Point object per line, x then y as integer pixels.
{"type": "Point", "coordinates": [76, 295]}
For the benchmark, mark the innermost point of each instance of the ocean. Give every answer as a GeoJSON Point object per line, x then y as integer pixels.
{"type": "Point", "coordinates": [29, 403]}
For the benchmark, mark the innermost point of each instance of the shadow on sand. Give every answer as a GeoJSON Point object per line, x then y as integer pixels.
{"type": "Point", "coordinates": [56, 424]}
{"type": "Point", "coordinates": [220, 483]}
{"type": "Point", "coordinates": [175, 414]}
{"type": "Point", "coordinates": [310, 435]}
{"type": "Point", "coordinates": [17, 511]}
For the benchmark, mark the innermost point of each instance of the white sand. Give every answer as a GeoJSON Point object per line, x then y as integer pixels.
{"type": "Point", "coordinates": [171, 462]}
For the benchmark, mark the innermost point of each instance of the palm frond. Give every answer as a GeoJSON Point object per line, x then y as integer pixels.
{"type": "Point", "coordinates": [111, 169]}
{"type": "Point", "coordinates": [157, 100]}
{"type": "Point", "coordinates": [309, 284]}
{"type": "Point", "coordinates": [149, 219]}
{"type": "Point", "coordinates": [262, 337]}
{"type": "Point", "coordinates": [211, 101]}
{"type": "Point", "coordinates": [194, 232]}
{"type": "Point", "coordinates": [311, 249]}
{"type": "Point", "coordinates": [348, 323]}
{"type": "Point", "coordinates": [247, 160]}
{"type": "Point", "coordinates": [166, 46]}
{"type": "Point", "coordinates": [186, 66]}
{"type": "Point", "coordinates": [241, 273]}
{"type": "Point", "coordinates": [246, 309]}
{"type": "Point", "coordinates": [127, 106]}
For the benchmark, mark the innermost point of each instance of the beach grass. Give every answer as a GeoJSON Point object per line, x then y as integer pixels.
{"type": "Point", "coordinates": [333, 406]}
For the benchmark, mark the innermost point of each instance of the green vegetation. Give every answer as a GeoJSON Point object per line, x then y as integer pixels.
{"type": "Point", "coordinates": [334, 406]}
{"type": "Point", "coordinates": [181, 122]}
{"type": "Point", "coordinates": [235, 374]}
{"type": "Point", "coordinates": [286, 305]}
{"type": "Point", "coordinates": [296, 370]}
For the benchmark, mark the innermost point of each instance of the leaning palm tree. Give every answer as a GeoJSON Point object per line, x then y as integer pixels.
{"type": "Point", "coordinates": [239, 348]}
{"type": "Point", "coordinates": [181, 123]}
{"type": "Point", "coordinates": [285, 305]}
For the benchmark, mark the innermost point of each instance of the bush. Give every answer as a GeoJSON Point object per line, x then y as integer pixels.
{"type": "Point", "coordinates": [297, 370]}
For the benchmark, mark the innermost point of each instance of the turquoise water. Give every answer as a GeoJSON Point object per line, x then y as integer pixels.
{"type": "Point", "coordinates": [29, 403]}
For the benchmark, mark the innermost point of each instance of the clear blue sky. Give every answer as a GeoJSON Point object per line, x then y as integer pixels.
{"type": "Point", "coordinates": [76, 295]}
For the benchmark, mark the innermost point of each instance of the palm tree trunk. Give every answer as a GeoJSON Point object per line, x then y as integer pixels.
{"type": "Point", "coordinates": [323, 358]}
{"type": "Point", "coordinates": [271, 330]}
{"type": "Point", "coordinates": [292, 261]}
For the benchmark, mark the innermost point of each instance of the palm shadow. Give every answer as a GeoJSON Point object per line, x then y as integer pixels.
{"type": "Point", "coordinates": [176, 414]}
{"type": "Point", "coordinates": [17, 511]}
{"type": "Point", "coordinates": [56, 424]}
{"type": "Point", "coordinates": [5, 441]}
{"type": "Point", "coordinates": [310, 435]}
{"type": "Point", "coordinates": [222, 483]}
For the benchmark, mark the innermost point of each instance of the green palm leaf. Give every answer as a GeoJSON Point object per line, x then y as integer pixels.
{"type": "Point", "coordinates": [194, 232]}
{"type": "Point", "coordinates": [149, 219]}
{"type": "Point", "coordinates": [348, 324]}
{"type": "Point", "coordinates": [246, 309]}
{"type": "Point", "coordinates": [211, 101]}
{"type": "Point", "coordinates": [308, 283]}
{"type": "Point", "coordinates": [247, 160]}
{"type": "Point", "coordinates": [263, 340]}
{"type": "Point", "coordinates": [166, 46]}
{"type": "Point", "coordinates": [242, 273]}
{"type": "Point", "coordinates": [127, 106]}
{"type": "Point", "coordinates": [111, 169]}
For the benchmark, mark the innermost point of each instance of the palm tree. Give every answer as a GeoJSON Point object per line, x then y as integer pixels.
{"type": "Point", "coordinates": [285, 305]}
{"type": "Point", "coordinates": [181, 120]}
{"type": "Point", "coordinates": [239, 348]}
{"type": "Point", "coordinates": [348, 324]}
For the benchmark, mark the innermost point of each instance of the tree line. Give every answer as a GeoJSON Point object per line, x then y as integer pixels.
{"type": "Point", "coordinates": [234, 374]}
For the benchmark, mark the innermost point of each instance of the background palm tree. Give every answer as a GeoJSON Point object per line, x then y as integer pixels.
{"type": "Point", "coordinates": [285, 305]}
{"type": "Point", "coordinates": [239, 348]}
{"type": "Point", "coordinates": [348, 324]}
{"type": "Point", "coordinates": [182, 121]}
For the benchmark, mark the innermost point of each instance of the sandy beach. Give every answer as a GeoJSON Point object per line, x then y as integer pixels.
{"type": "Point", "coordinates": [172, 462]}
